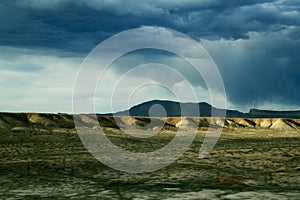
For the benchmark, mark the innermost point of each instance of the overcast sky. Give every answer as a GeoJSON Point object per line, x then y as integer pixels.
{"type": "Point", "coordinates": [255, 44]}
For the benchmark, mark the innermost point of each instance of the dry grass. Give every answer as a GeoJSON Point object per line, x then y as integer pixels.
{"type": "Point", "coordinates": [50, 162]}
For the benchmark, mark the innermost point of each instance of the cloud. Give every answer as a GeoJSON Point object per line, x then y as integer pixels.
{"type": "Point", "coordinates": [260, 69]}
{"type": "Point", "coordinates": [147, 67]}
{"type": "Point", "coordinates": [32, 82]}
{"type": "Point", "coordinates": [77, 26]}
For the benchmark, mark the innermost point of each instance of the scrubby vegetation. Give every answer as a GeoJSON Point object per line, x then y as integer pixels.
{"type": "Point", "coordinates": [50, 161]}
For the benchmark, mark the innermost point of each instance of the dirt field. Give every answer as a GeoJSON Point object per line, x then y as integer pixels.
{"type": "Point", "coordinates": [245, 164]}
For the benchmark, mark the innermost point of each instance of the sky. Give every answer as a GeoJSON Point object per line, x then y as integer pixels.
{"type": "Point", "coordinates": [254, 43]}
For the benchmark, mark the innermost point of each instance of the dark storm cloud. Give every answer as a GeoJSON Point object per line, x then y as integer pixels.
{"type": "Point", "coordinates": [66, 28]}
{"type": "Point", "coordinates": [263, 68]}
{"type": "Point", "coordinates": [79, 25]}
{"type": "Point", "coordinates": [255, 43]}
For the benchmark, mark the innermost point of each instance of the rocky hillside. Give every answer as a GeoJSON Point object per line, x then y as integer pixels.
{"type": "Point", "coordinates": [20, 122]}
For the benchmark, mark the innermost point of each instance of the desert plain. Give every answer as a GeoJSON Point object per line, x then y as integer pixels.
{"type": "Point", "coordinates": [42, 157]}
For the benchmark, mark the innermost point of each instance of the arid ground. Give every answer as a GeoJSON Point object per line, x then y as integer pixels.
{"type": "Point", "coordinates": [42, 157]}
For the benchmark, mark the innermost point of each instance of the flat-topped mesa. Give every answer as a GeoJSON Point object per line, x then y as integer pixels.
{"type": "Point", "coordinates": [176, 109]}
{"type": "Point", "coordinates": [256, 113]}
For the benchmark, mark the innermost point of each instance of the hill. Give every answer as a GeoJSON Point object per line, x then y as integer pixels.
{"type": "Point", "coordinates": [173, 109]}
{"type": "Point", "coordinates": [27, 122]}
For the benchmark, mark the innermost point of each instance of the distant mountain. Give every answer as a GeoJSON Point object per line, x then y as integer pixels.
{"type": "Point", "coordinates": [255, 113]}
{"type": "Point", "coordinates": [173, 109]}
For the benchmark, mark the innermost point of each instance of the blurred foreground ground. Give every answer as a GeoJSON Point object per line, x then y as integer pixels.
{"type": "Point", "coordinates": [245, 164]}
